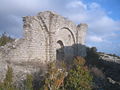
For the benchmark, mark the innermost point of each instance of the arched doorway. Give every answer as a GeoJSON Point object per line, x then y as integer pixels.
{"type": "Point", "coordinates": [60, 50]}
{"type": "Point", "coordinates": [65, 37]}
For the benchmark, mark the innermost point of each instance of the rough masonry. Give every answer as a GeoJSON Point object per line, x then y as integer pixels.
{"type": "Point", "coordinates": [47, 37]}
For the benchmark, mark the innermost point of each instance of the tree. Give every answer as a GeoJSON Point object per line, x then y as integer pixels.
{"type": "Point", "coordinates": [54, 78]}
{"type": "Point", "coordinates": [7, 84]}
{"type": "Point", "coordinates": [79, 77]}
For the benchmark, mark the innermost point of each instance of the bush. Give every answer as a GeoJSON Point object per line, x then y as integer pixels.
{"type": "Point", "coordinates": [94, 49]}
{"type": "Point", "coordinates": [79, 77]}
{"type": "Point", "coordinates": [8, 81]}
{"type": "Point", "coordinates": [29, 82]}
{"type": "Point", "coordinates": [97, 72]}
{"type": "Point", "coordinates": [4, 39]}
{"type": "Point", "coordinates": [55, 77]}
{"type": "Point", "coordinates": [7, 84]}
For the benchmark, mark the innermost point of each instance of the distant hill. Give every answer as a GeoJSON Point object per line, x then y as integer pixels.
{"type": "Point", "coordinates": [105, 67]}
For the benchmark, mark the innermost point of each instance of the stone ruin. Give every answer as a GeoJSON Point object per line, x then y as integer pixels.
{"type": "Point", "coordinates": [47, 37]}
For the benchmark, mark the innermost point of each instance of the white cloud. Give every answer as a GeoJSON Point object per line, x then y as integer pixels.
{"type": "Point", "coordinates": [77, 4]}
{"type": "Point", "coordinates": [12, 11]}
{"type": "Point", "coordinates": [96, 17]}
{"type": "Point", "coordinates": [104, 24]}
{"type": "Point", "coordinates": [95, 39]}
{"type": "Point", "coordinates": [23, 7]}
{"type": "Point", "coordinates": [101, 26]}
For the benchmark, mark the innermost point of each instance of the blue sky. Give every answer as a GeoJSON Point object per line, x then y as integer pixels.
{"type": "Point", "coordinates": [102, 17]}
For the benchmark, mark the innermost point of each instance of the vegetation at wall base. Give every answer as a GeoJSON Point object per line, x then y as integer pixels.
{"type": "Point", "coordinates": [29, 82]}
{"type": "Point", "coordinates": [54, 78]}
{"type": "Point", "coordinates": [79, 77]}
{"type": "Point", "coordinates": [57, 77]}
{"type": "Point", "coordinates": [7, 84]}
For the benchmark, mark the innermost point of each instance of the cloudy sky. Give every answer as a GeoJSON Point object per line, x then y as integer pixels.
{"type": "Point", "coordinates": [102, 17]}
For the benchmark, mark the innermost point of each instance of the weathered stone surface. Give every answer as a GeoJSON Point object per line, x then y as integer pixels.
{"type": "Point", "coordinates": [47, 37]}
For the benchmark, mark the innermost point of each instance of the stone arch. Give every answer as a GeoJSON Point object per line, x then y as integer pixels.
{"type": "Point", "coordinates": [70, 32]}
{"type": "Point", "coordinates": [68, 40]}
{"type": "Point", "coordinates": [60, 43]}
{"type": "Point", "coordinates": [65, 34]}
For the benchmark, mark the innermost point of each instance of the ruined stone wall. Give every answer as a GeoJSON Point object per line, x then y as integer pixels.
{"type": "Point", "coordinates": [46, 29]}
{"type": "Point", "coordinates": [47, 37]}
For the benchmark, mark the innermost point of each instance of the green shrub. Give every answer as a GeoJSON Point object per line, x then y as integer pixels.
{"type": "Point", "coordinates": [29, 82]}
{"type": "Point", "coordinates": [4, 39]}
{"type": "Point", "coordinates": [7, 84]}
{"type": "Point", "coordinates": [79, 77]}
{"type": "Point", "coordinates": [54, 78]}
{"type": "Point", "coordinates": [1, 86]}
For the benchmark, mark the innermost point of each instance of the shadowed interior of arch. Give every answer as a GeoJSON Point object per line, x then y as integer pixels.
{"type": "Point", "coordinates": [60, 51]}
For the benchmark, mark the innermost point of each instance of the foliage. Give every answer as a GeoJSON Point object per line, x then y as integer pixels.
{"type": "Point", "coordinates": [79, 77]}
{"type": "Point", "coordinates": [55, 76]}
{"type": "Point", "coordinates": [1, 86]}
{"type": "Point", "coordinates": [29, 82]}
{"type": "Point", "coordinates": [7, 84]}
{"type": "Point", "coordinates": [4, 39]}
{"type": "Point", "coordinates": [93, 57]}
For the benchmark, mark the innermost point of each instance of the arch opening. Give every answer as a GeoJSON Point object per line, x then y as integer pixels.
{"type": "Point", "coordinates": [60, 50]}
{"type": "Point", "coordinates": [60, 43]}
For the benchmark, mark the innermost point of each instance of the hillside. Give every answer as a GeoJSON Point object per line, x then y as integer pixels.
{"type": "Point", "coordinates": [105, 67]}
